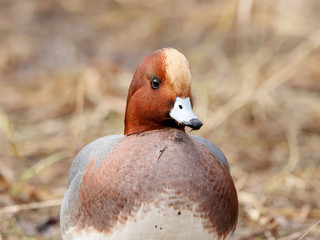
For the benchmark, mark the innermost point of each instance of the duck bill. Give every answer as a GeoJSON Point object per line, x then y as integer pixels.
{"type": "Point", "coordinates": [183, 114]}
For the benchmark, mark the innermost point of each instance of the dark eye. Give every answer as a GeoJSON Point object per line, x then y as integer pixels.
{"type": "Point", "coordinates": [155, 83]}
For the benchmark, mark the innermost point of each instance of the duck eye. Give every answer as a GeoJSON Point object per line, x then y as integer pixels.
{"type": "Point", "coordinates": [155, 83]}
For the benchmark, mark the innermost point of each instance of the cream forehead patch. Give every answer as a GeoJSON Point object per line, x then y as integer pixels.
{"type": "Point", "coordinates": [178, 72]}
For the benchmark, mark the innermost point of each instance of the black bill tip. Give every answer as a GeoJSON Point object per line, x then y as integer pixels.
{"type": "Point", "coordinates": [195, 124]}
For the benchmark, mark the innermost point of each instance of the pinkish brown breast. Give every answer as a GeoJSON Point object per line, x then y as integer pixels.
{"type": "Point", "coordinates": [157, 179]}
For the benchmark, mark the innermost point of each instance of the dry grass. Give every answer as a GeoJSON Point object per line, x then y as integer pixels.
{"type": "Point", "coordinates": [65, 67]}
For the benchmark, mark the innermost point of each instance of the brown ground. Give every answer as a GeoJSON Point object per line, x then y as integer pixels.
{"type": "Point", "coordinates": [65, 66]}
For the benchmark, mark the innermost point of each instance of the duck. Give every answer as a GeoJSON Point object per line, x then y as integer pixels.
{"type": "Point", "coordinates": [155, 181]}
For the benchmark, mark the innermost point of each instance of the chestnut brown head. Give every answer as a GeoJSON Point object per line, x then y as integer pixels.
{"type": "Point", "coordinates": [160, 94]}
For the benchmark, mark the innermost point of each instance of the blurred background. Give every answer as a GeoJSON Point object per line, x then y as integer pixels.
{"type": "Point", "coordinates": [65, 68]}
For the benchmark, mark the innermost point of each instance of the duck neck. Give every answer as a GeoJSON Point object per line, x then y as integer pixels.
{"type": "Point", "coordinates": [133, 126]}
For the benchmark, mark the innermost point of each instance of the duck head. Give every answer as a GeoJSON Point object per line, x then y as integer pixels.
{"type": "Point", "coordinates": [160, 94]}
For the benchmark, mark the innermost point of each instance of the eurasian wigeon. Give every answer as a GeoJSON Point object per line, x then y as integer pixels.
{"type": "Point", "coordinates": [155, 181]}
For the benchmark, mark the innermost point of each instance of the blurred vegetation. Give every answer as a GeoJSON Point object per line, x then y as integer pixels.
{"type": "Point", "coordinates": [65, 67]}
